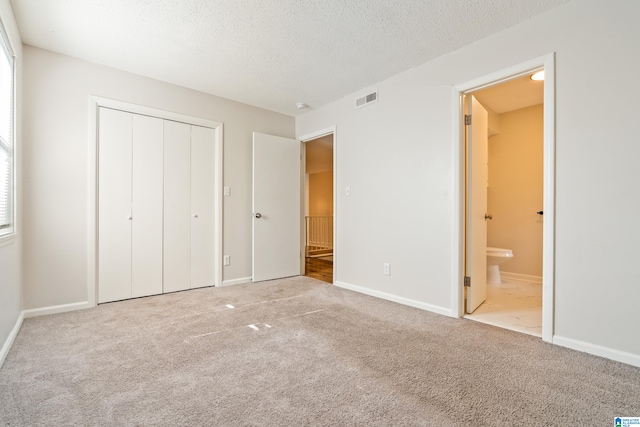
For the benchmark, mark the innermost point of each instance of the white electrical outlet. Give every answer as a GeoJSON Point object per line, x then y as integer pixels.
{"type": "Point", "coordinates": [347, 191]}
{"type": "Point", "coordinates": [227, 191]}
{"type": "Point", "coordinates": [386, 269]}
{"type": "Point", "coordinates": [227, 260]}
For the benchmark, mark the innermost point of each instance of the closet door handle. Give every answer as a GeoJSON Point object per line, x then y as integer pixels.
{"type": "Point", "coordinates": [258, 215]}
{"type": "Point", "coordinates": [130, 217]}
{"type": "Point", "coordinates": [195, 215]}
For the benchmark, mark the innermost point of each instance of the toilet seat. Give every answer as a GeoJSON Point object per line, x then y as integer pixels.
{"type": "Point", "coordinates": [499, 252]}
{"type": "Point", "coordinates": [495, 257]}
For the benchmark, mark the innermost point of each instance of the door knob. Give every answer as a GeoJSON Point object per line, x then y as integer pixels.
{"type": "Point", "coordinates": [258, 215]}
{"type": "Point", "coordinates": [129, 217]}
{"type": "Point", "coordinates": [488, 216]}
{"type": "Point", "coordinates": [195, 215]}
{"type": "Point", "coordinates": [540, 213]}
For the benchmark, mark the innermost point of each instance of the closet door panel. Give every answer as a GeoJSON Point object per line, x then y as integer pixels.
{"type": "Point", "coordinates": [114, 205]}
{"type": "Point", "coordinates": [146, 274]}
{"type": "Point", "coordinates": [202, 206]}
{"type": "Point", "coordinates": [177, 206]}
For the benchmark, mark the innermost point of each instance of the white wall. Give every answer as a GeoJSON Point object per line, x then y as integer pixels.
{"type": "Point", "coordinates": [10, 258]}
{"type": "Point", "coordinates": [397, 156]}
{"type": "Point", "coordinates": [56, 140]}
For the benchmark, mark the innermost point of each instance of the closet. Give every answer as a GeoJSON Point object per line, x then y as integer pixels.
{"type": "Point", "coordinates": [155, 205]}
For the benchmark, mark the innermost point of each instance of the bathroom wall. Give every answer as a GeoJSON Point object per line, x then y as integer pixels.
{"type": "Point", "coordinates": [321, 194]}
{"type": "Point", "coordinates": [516, 189]}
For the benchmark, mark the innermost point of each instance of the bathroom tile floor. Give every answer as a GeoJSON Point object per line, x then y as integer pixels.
{"type": "Point", "coordinates": [514, 305]}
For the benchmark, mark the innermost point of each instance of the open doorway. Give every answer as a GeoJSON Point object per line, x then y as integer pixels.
{"type": "Point", "coordinates": [318, 208]}
{"type": "Point", "coordinates": [512, 209]}
{"type": "Point", "coordinates": [474, 287]}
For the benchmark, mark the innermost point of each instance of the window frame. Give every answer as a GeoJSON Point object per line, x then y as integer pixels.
{"type": "Point", "coordinates": [9, 147]}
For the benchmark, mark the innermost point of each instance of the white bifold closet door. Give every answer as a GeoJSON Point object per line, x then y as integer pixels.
{"type": "Point", "coordinates": [202, 207]}
{"type": "Point", "coordinates": [130, 215]}
{"type": "Point", "coordinates": [188, 206]}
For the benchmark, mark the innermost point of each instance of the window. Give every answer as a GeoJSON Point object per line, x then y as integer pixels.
{"type": "Point", "coordinates": [6, 136]}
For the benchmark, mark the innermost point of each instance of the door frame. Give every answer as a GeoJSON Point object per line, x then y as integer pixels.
{"type": "Point", "coordinates": [95, 102]}
{"type": "Point", "coordinates": [303, 139]}
{"type": "Point", "coordinates": [546, 62]}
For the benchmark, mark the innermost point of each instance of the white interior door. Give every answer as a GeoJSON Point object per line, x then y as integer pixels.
{"type": "Point", "coordinates": [202, 206]}
{"type": "Point", "coordinates": [476, 206]}
{"type": "Point", "coordinates": [146, 232]}
{"type": "Point", "coordinates": [276, 207]}
{"type": "Point", "coordinates": [114, 205]}
{"type": "Point", "coordinates": [177, 206]}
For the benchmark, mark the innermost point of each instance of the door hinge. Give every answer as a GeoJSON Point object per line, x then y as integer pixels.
{"type": "Point", "coordinates": [467, 281]}
{"type": "Point", "coordinates": [467, 119]}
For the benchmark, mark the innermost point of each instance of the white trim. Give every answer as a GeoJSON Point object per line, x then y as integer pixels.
{"type": "Point", "coordinates": [394, 298]}
{"type": "Point", "coordinates": [8, 239]}
{"type": "Point", "coordinates": [6, 347]}
{"type": "Point", "coordinates": [546, 62]}
{"type": "Point", "coordinates": [11, 232]}
{"type": "Point", "coordinates": [523, 277]}
{"type": "Point", "coordinates": [303, 206]}
{"type": "Point", "coordinates": [153, 112]}
{"type": "Point", "coordinates": [315, 135]}
{"type": "Point", "coordinates": [598, 350]}
{"type": "Point", "coordinates": [458, 167]}
{"type": "Point", "coordinates": [240, 281]}
{"type": "Point", "coordinates": [95, 102]}
{"type": "Point", "coordinates": [218, 200]}
{"type": "Point", "coordinates": [507, 74]}
{"type": "Point", "coordinates": [549, 200]}
{"type": "Point", "coordinates": [55, 309]}
{"type": "Point", "coordinates": [92, 203]}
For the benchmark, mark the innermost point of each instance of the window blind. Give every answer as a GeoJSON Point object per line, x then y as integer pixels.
{"type": "Point", "coordinates": [6, 134]}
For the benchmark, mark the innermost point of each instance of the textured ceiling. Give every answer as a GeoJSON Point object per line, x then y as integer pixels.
{"type": "Point", "coordinates": [267, 53]}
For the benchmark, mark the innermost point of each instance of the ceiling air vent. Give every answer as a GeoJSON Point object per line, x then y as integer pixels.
{"type": "Point", "coordinates": [367, 99]}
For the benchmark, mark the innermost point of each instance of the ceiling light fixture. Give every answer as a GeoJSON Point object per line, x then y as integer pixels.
{"type": "Point", "coordinates": [537, 76]}
{"type": "Point", "coordinates": [301, 106]}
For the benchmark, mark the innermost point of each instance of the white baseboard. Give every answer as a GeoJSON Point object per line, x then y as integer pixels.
{"type": "Point", "coordinates": [239, 281]}
{"type": "Point", "coordinates": [34, 312]}
{"type": "Point", "coordinates": [395, 298]}
{"type": "Point", "coordinates": [523, 277]}
{"type": "Point", "coordinates": [10, 339]}
{"type": "Point", "coordinates": [597, 350]}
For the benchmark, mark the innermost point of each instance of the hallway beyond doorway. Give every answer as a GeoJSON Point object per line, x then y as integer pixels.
{"type": "Point", "coordinates": [319, 268]}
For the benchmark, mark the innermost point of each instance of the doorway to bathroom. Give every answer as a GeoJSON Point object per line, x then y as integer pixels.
{"type": "Point", "coordinates": [319, 208]}
{"type": "Point", "coordinates": [506, 172]}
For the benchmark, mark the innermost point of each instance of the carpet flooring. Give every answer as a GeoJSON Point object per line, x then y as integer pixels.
{"type": "Point", "coordinates": [297, 352]}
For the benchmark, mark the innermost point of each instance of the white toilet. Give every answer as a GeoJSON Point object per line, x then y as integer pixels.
{"type": "Point", "coordinates": [495, 257]}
